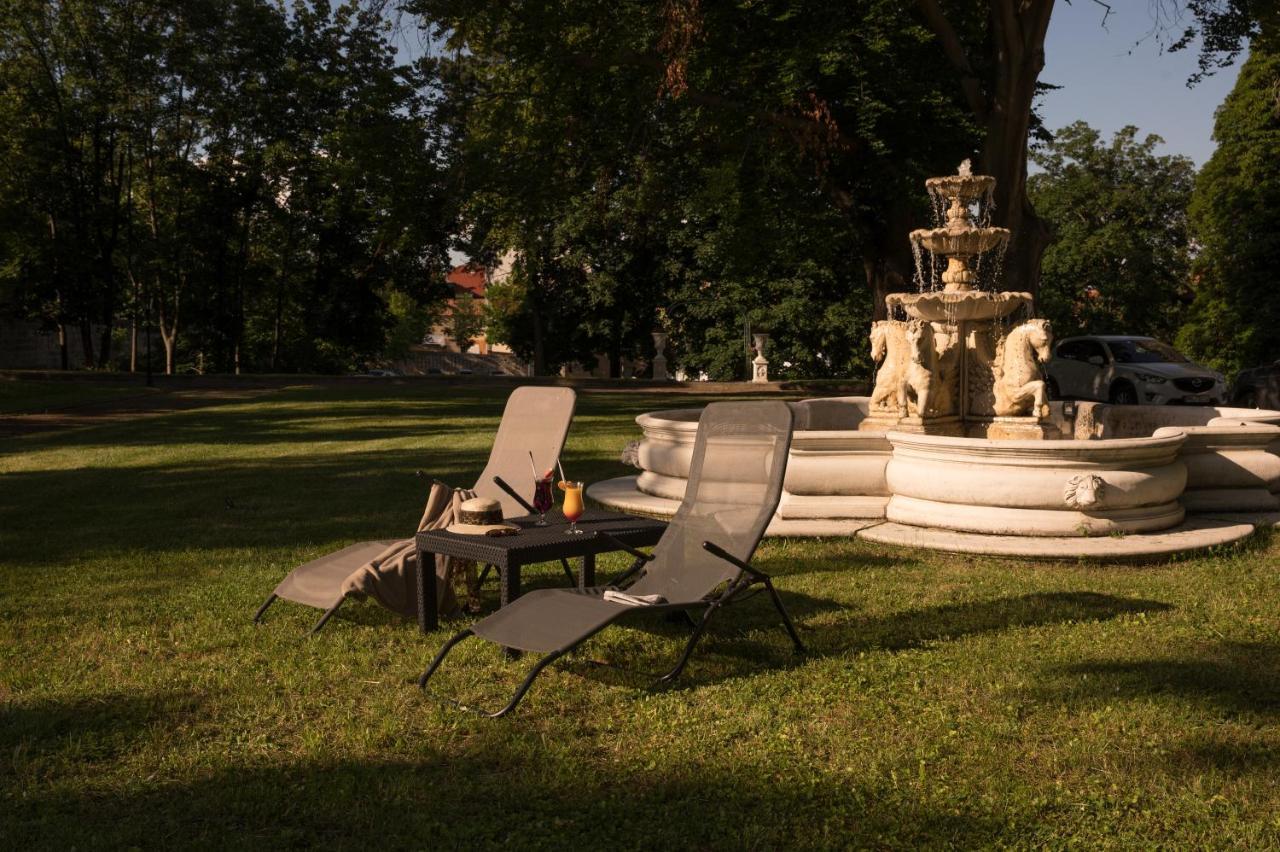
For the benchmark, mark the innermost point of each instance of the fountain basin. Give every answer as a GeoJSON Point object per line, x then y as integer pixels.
{"type": "Point", "coordinates": [961, 241]}
{"type": "Point", "coordinates": [961, 306]}
{"type": "Point", "coordinates": [1004, 497]}
{"type": "Point", "coordinates": [1036, 488]}
{"type": "Point", "coordinates": [964, 186]}
{"type": "Point", "coordinates": [834, 471]}
{"type": "Point", "coordinates": [1232, 466]}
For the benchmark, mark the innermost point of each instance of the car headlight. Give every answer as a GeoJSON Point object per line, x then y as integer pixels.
{"type": "Point", "coordinates": [1151, 378]}
{"type": "Point", "coordinates": [1219, 378]}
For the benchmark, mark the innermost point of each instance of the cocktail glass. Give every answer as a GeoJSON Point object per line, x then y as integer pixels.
{"type": "Point", "coordinates": [543, 498]}
{"type": "Point", "coordinates": [573, 507]}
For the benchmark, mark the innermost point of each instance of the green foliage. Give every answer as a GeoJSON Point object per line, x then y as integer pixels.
{"type": "Point", "coordinates": [466, 321]}
{"type": "Point", "coordinates": [248, 178]}
{"type": "Point", "coordinates": [704, 163]}
{"type": "Point", "coordinates": [1119, 258]}
{"type": "Point", "coordinates": [1235, 320]}
{"type": "Point", "coordinates": [410, 323]}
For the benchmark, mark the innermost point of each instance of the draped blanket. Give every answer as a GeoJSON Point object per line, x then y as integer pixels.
{"type": "Point", "coordinates": [391, 577]}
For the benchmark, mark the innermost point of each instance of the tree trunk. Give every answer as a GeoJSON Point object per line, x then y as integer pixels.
{"type": "Point", "coordinates": [1003, 107]}
{"type": "Point", "coordinates": [1020, 49]}
{"type": "Point", "coordinates": [539, 347]}
{"type": "Point", "coordinates": [168, 322]}
{"type": "Point", "coordinates": [86, 343]}
{"type": "Point", "coordinates": [62, 346]}
{"type": "Point", "coordinates": [108, 326]}
{"type": "Point", "coordinates": [888, 262]}
{"type": "Point", "coordinates": [615, 347]}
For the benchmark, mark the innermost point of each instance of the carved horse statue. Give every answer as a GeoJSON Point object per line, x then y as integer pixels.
{"type": "Point", "coordinates": [921, 376]}
{"type": "Point", "coordinates": [889, 344]}
{"type": "Point", "coordinates": [1019, 390]}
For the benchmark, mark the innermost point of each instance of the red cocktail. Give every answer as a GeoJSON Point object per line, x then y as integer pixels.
{"type": "Point", "coordinates": [543, 498]}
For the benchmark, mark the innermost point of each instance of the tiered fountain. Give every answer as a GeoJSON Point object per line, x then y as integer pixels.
{"type": "Point", "coordinates": [957, 365]}
{"type": "Point", "coordinates": [958, 449]}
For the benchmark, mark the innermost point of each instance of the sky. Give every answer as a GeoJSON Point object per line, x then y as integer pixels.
{"type": "Point", "coordinates": [1118, 75]}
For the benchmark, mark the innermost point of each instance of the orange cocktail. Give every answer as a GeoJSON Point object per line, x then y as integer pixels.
{"type": "Point", "coordinates": [572, 507]}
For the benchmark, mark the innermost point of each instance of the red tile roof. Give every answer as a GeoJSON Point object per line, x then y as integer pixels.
{"type": "Point", "coordinates": [469, 277]}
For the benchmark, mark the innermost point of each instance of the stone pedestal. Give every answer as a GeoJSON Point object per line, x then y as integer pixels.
{"type": "Point", "coordinates": [659, 359]}
{"type": "Point", "coordinates": [1014, 429]}
{"type": "Point", "coordinates": [949, 425]}
{"type": "Point", "coordinates": [760, 366]}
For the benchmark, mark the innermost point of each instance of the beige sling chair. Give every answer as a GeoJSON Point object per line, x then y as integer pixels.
{"type": "Point", "coordinates": [535, 420]}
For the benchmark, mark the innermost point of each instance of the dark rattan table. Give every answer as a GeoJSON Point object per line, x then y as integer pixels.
{"type": "Point", "coordinates": [534, 544]}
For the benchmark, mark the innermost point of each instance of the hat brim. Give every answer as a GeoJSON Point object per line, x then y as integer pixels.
{"type": "Point", "coordinates": [478, 529]}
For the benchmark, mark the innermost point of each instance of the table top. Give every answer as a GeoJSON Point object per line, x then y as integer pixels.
{"type": "Point", "coordinates": [543, 544]}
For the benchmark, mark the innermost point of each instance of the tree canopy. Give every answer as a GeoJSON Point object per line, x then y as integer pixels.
{"type": "Point", "coordinates": [1235, 211]}
{"type": "Point", "coordinates": [270, 186]}
{"type": "Point", "coordinates": [1117, 211]}
{"type": "Point", "coordinates": [251, 180]}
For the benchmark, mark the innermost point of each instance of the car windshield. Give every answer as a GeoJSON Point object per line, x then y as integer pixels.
{"type": "Point", "coordinates": [1138, 351]}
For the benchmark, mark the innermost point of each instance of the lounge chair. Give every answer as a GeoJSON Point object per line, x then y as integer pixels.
{"type": "Point", "coordinates": [535, 420]}
{"type": "Point", "coordinates": [702, 561]}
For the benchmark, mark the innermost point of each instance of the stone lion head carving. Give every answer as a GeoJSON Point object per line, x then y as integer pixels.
{"type": "Point", "coordinates": [1084, 491]}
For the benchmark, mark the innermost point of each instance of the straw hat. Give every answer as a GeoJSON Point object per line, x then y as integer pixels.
{"type": "Point", "coordinates": [478, 516]}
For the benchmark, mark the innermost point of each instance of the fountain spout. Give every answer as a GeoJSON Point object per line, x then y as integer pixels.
{"type": "Point", "coordinates": [983, 366]}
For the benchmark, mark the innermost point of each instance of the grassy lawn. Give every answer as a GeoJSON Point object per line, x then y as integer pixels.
{"type": "Point", "coordinates": [32, 397]}
{"type": "Point", "coordinates": [946, 701]}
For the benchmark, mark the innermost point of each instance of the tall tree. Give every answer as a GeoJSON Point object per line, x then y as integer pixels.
{"type": "Point", "coordinates": [1117, 211]}
{"type": "Point", "coordinates": [1235, 213]}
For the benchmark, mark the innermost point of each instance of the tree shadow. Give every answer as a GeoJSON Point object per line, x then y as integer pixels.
{"type": "Point", "coordinates": [1216, 752]}
{"type": "Point", "coordinates": [506, 788]}
{"type": "Point", "coordinates": [1237, 678]}
{"type": "Point", "coordinates": [96, 728]}
{"type": "Point", "coordinates": [748, 638]}
{"type": "Point", "coordinates": [916, 628]}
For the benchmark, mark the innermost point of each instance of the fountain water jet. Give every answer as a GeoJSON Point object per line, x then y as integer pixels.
{"type": "Point", "coordinates": [981, 378]}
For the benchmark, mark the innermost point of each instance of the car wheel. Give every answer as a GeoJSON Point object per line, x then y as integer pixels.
{"type": "Point", "coordinates": [1051, 389]}
{"type": "Point", "coordinates": [1123, 393]}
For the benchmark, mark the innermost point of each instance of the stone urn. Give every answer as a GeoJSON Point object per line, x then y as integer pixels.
{"type": "Point", "coordinates": [760, 365]}
{"type": "Point", "coordinates": [659, 359]}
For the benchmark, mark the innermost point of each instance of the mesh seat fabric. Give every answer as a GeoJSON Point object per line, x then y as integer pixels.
{"type": "Point", "coordinates": [735, 483]}
{"type": "Point", "coordinates": [536, 420]}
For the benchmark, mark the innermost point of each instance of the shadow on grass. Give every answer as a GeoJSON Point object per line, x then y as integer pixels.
{"type": "Point", "coordinates": [748, 638]}
{"type": "Point", "coordinates": [89, 729]}
{"type": "Point", "coordinates": [915, 628]}
{"type": "Point", "coordinates": [507, 789]}
{"type": "Point", "coordinates": [344, 414]}
{"type": "Point", "coordinates": [1235, 677]}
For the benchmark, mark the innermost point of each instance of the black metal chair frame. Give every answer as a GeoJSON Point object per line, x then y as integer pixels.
{"type": "Point", "coordinates": [734, 590]}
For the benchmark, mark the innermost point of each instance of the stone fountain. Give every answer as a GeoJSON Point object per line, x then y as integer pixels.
{"type": "Point", "coordinates": [959, 360]}
{"type": "Point", "coordinates": [958, 449]}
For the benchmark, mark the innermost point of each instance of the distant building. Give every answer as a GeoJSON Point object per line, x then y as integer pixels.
{"type": "Point", "coordinates": [470, 283]}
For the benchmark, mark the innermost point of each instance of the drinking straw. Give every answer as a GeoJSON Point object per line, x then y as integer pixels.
{"type": "Point", "coordinates": [562, 476]}
{"type": "Point", "coordinates": [533, 467]}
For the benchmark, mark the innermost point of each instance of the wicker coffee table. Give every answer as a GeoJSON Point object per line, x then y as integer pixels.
{"type": "Point", "coordinates": [508, 554]}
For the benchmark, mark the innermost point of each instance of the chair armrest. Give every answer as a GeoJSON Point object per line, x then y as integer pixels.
{"type": "Point", "coordinates": [502, 483]}
{"type": "Point", "coordinates": [622, 545]}
{"type": "Point", "coordinates": [718, 551]}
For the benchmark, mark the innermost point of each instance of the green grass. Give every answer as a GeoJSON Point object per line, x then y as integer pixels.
{"type": "Point", "coordinates": [946, 702]}
{"type": "Point", "coordinates": [33, 397]}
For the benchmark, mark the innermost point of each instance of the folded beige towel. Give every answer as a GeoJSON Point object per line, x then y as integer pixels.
{"type": "Point", "coordinates": [633, 600]}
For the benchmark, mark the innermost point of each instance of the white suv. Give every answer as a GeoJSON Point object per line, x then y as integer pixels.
{"type": "Point", "coordinates": [1128, 370]}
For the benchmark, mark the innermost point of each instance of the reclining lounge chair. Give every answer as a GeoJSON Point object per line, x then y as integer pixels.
{"type": "Point", "coordinates": [701, 563]}
{"type": "Point", "coordinates": [536, 420]}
